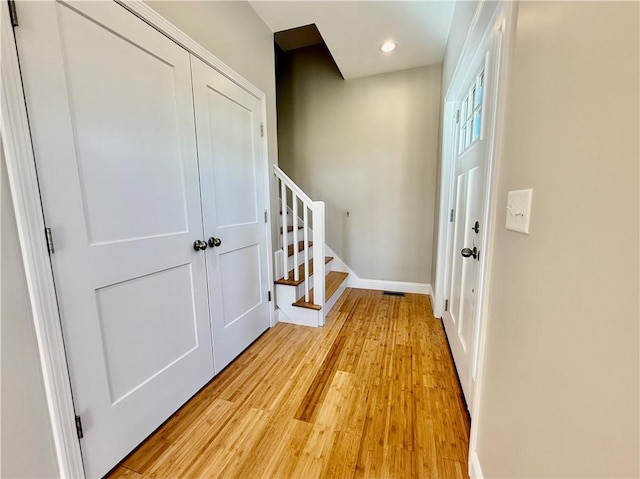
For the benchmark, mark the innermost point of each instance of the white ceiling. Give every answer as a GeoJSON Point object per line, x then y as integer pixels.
{"type": "Point", "coordinates": [354, 30]}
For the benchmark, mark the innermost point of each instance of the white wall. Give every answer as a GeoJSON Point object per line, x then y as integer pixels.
{"type": "Point", "coordinates": [561, 381]}
{"type": "Point", "coordinates": [367, 146]}
{"type": "Point", "coordinates": [27, 442]}
{"type": "Point", "coordinates": [460, 23]}
{"type": "Point", "coordinates": [234, 33]}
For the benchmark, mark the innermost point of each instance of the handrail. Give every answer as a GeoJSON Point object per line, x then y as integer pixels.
{"type": "Point", "coordinates": [311, 210]}
{"type": "Point", "coordinates": [292, 186]}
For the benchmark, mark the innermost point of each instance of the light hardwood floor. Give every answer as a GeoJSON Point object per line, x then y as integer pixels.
{"type": "Point", "coordinates": [372, 394]}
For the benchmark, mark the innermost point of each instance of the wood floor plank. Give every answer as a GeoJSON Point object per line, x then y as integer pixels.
{"type": "Point", "coordinates": [122, 472]}
{"type": "Point", "coordinates": [372, 394]}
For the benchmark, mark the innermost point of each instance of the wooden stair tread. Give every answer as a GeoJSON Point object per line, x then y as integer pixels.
{"type": "Point", "coordinates": [300, 247]}
{"type": "Point", "coordinates": [332, 282]}
{"type": "Point", "coordinates": [293, 282]}
{"type": "Point", "coordinates": [290, 229]}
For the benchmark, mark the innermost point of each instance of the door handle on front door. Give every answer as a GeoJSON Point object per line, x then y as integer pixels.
{"type": "Point", "coordinates": [214, 242]}
{"type": "Point", "coordinates": [466, 252]}
{"type": "Point", "coordinates": [199, 245]}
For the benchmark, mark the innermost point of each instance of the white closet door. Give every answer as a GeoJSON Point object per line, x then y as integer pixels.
{"type": "Point", "coordinates": [233, 181]}
{"type": "Point", "coordinates": [111, 112]}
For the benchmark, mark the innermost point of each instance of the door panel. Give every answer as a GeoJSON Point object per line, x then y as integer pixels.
{"type": "Point", "coordinates": [470, 265]}
{"type": "Point", "coordinates": [111, 114]}
{"type": "Point", "coordinates": [129, 311]}
{"type": "Point", "coordinates": [231, 131]}
{"type": "Point", "coordinates": [111, 152]}
{"type": "Point", "coordinates": [241, 288]}
{"type": "Point", "coordinates": [233, 182]}
{"type": "Point", "coordinates": [456, 304]}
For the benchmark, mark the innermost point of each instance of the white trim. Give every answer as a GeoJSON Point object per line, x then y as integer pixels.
{"type": "Point", "coordinates": [481, 17]}
{"type": "Point", "coordinates": [282, 176]}
{"type": "Point", "coordinates": [484, 28]}
{"type": "Point", "coordinates": [433, 300]}
{"type": "Point", "coordinates": [488, 17]}
{"type": "Point", "coordinates": [507, 17]}
{"type": "Point", "coordinates": [444, 230]}
{"type": "Point", "coordinates": [21, 171]}
{"type": "Point", "coordinates": [354, 281]}
{"type": "Point", "coordinates": [268, 227]}
{"type": "Point", "coordinates": [23, 182]}
{"type": "Point", "coordinates": [382, 285]}
{"type": "Point", "coordinates": [475, 471]}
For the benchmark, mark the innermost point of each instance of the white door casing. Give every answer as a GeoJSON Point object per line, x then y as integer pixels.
{"type": "Point", "coordinates": [112, 122]}
{"type": "Point", "coordinates": [233, 186]}
{"type": "Point", "coordinates": [470, 166]}
{"type": "Point", "coordinates": [492, 25]}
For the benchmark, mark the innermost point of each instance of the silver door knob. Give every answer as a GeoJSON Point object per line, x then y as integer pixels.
{"type": "Point", "coordinates": [214, 242]}
{"type": "Point", "coordinates": [199, 245]}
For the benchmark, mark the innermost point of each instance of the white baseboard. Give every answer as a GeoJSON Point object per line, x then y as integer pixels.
{"type": "Point", "coordinates": [475, 471]}
{"type": "Point", "coordinates": [354, 281]}
{"type": "Point", "coordinates": [399, 286]}
{"type": "Point", "coordinates": [432, 297]}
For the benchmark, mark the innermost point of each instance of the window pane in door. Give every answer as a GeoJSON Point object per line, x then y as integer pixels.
{"type": "Point", "coordinates": [478, 93]}
{"type": "Point", "coordinates": [477, 120]}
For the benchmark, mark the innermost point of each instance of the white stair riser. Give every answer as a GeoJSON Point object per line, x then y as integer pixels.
{"type": "Point", "coordinates": [290, 259]}
{"type": "Point", "coordinates": [300, 236]}
{"type": "Point", "coordinates": [285, 297]}
{"type": "Point", "coordinates": [300, 316]}
{"type": "Point", "coordinates": [300, 288]}
{"type": "Point", "coordinates": [335, 296]}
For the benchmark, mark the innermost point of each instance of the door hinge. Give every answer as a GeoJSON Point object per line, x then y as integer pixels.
{"type": "Point", "coordinates": [446, 305]}
{"type": "Point", "coordinates": [451, 216]}
{"type": "Point", "coordinates": [457, 116]}
{"type": "Point", "coordinates": [49, 237]}
{"type": "Point", "coordinates": [266, 216]}
{"type": "Point", "coordinates": [261, 129]}
{"type": "Point", "coordinates": [269, 295]}
{"type": "Point", "coordinates": [13, 14]}
{"type": "Point", "coordinates": [79, 427]}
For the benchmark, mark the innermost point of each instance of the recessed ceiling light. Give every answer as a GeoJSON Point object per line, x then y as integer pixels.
{"type": "Point", "coordinates": [387, 47]}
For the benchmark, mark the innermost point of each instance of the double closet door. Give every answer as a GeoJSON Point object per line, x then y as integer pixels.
{"type": "Point", "coordinates": [142, 150]}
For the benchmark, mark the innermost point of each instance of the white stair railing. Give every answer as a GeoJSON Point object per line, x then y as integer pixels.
{"type": "Point", "coordinates": [312, 215]}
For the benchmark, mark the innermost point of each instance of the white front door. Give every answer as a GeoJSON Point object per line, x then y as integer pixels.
{"type": "Point", "coordinates": [111, 115]}
{"type": "Point", "coordinates": [460, 317]}
{"type": "Point", "coordinates": [233, 182]}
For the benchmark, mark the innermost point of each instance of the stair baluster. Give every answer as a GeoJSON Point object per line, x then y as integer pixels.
{"type": "Point", "coordinates": [305, 238]}
{"type": "Point", "coordinates": [312, 213]}
{"type": "Point", "coordinates": [283, 212]}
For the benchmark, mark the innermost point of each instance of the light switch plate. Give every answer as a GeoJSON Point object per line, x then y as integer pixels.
{"type": "Point", "coordinates": [519, 210]}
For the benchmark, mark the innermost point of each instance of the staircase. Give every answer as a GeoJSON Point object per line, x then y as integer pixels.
{"type": "Point", "coordinates": [300, 297]}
